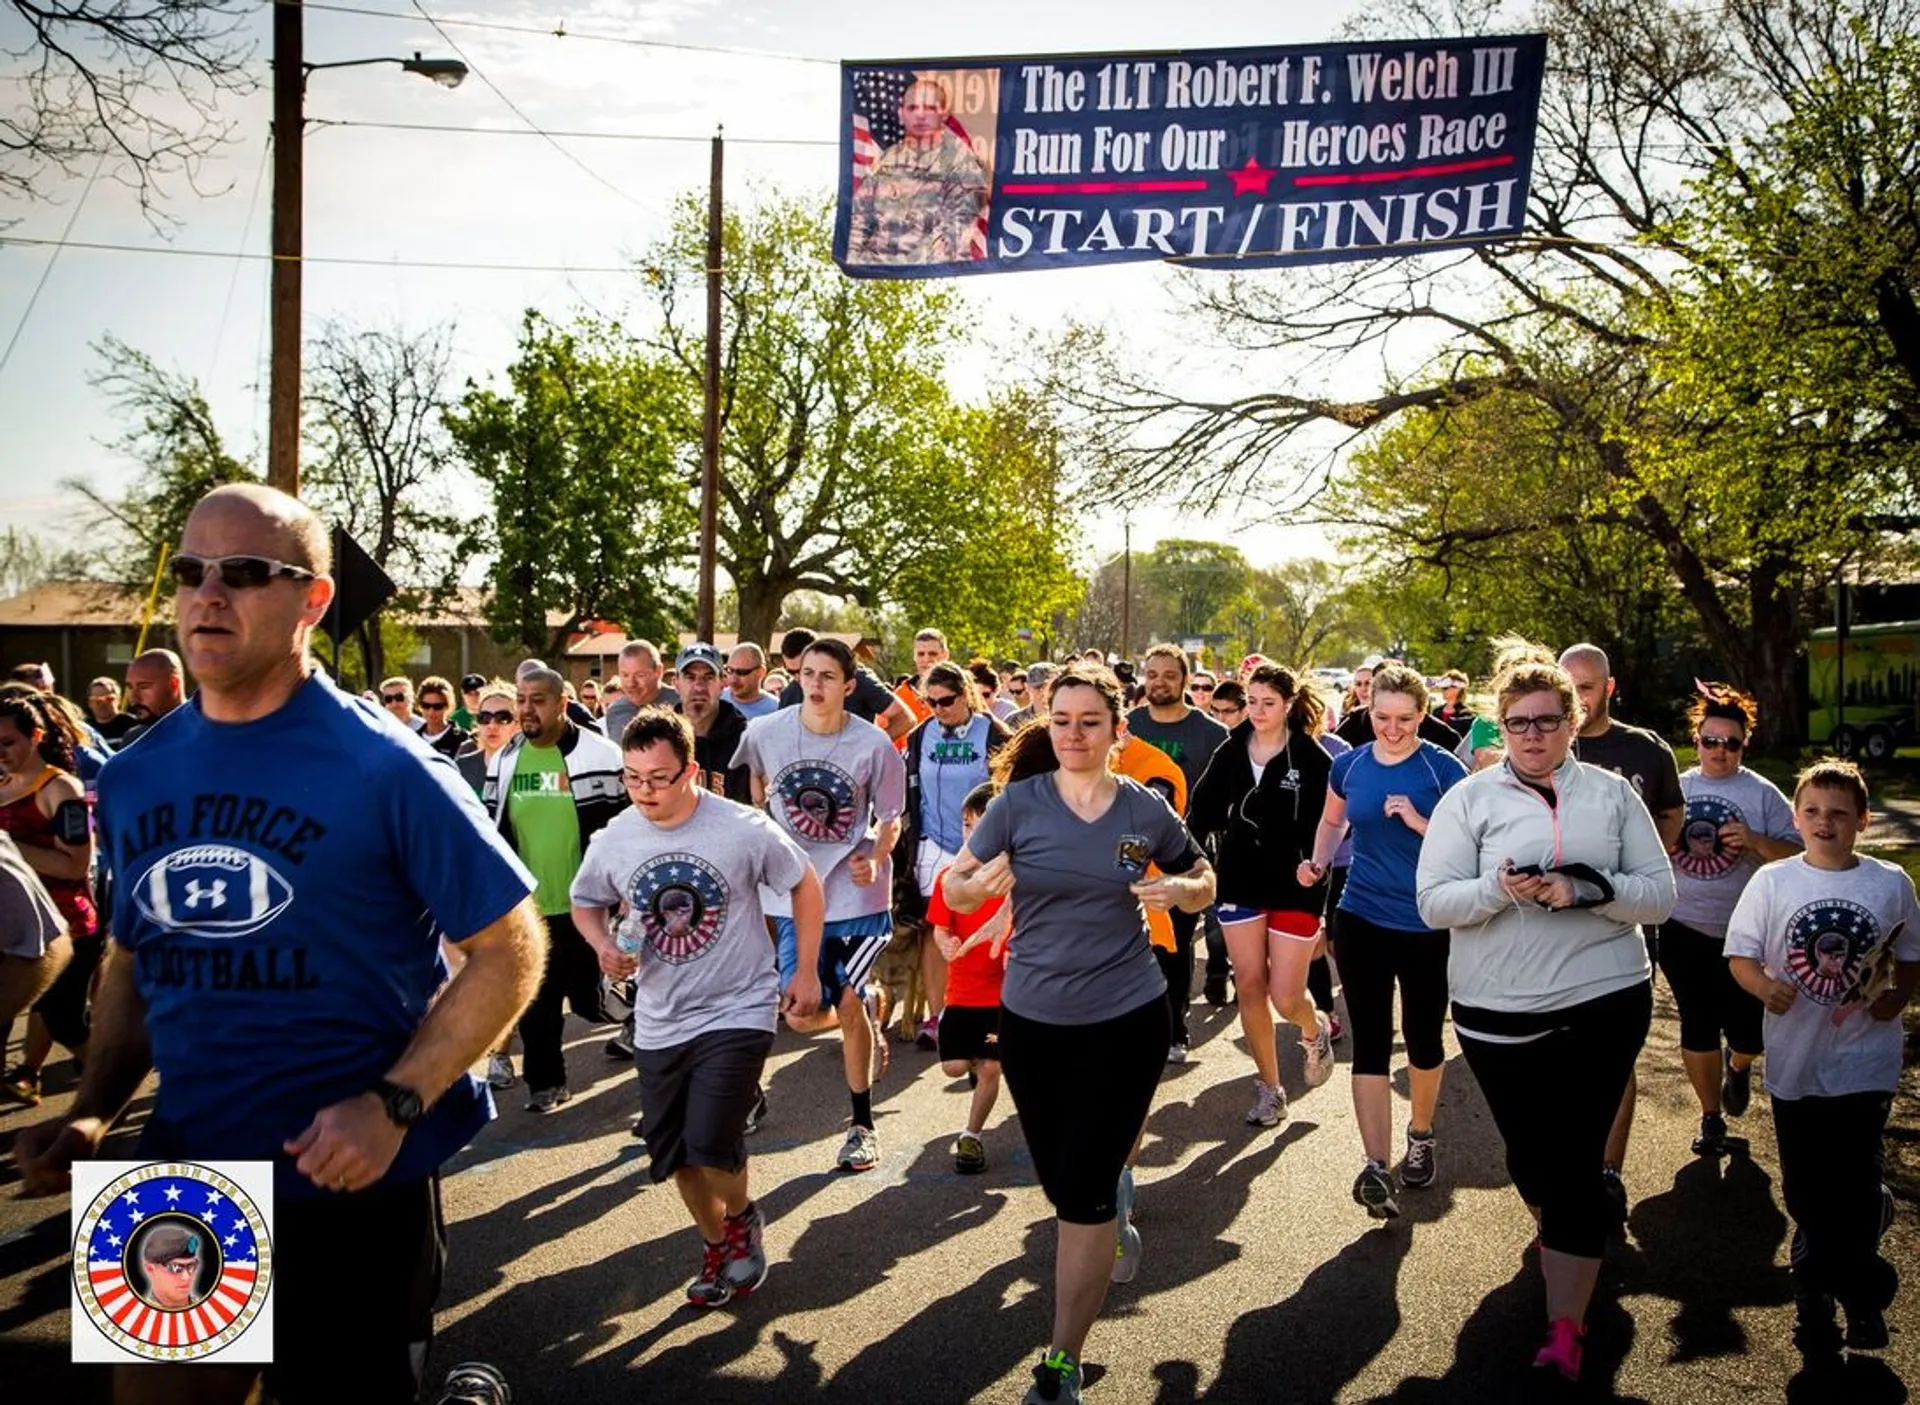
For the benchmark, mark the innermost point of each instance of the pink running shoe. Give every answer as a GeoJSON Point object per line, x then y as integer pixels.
{"type": "Point", "coordinates": [1562, 1349]}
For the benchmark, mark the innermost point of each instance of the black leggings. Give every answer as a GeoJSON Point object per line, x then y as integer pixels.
{"type": "Point", "coordinates": [1832, 1158]}
{"type": "Point", "coordinates": [1083, 1092]}
{"type": "Point", "coordinates": [1371, 959]}
{"type": "Point", "coordinates": [1554, 1100]}
{"type": "Point", "coordinates": [1711, 1002]}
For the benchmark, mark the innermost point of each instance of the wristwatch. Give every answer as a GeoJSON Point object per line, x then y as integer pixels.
{"type": "Point", "coordinates": [403, 1105]}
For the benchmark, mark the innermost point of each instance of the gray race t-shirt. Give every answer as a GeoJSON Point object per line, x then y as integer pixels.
{"type": "Point", "coordinates": [1079, 953]}
{"type": "Point", "coordinates": [1707, 879]}
{"type": "Point", "coordinates": [826, 793]}
{"type": "Point", "coordinates": [691, 894]}
{"type": "Point", "coordinates": [617, 713]}
{"type": "Point", "coordinates": [1189, 743]}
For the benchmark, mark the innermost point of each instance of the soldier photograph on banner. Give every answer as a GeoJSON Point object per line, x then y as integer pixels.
{"type": "Point", "coordinates": [922, 164]}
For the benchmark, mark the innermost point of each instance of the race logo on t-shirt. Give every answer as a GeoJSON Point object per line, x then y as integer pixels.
{"type": "Point", "coordinates": [1701, 853]}
{"type": "Point", "coordinates": [681, 903]}
{"type": "Point", "coordinates": [816, 801]}
{"type": "Point", "coordinates": [1830, 944]}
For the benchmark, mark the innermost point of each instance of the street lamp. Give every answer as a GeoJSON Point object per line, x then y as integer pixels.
{"type": "Point", "coordinates": [290, 70]}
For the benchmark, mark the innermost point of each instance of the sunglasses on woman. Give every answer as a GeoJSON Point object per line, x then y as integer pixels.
{"type": "Point", "coordinates": [490, 718]}
{"type": "Point", "coordinates": [235, 572]}
{"type": "Point", "coordinates": [1721, 743]}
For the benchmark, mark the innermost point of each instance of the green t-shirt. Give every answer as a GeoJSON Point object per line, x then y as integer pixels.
{"type": "Point", "coordinates": [546, 827]}
{"type": "Point", "coordinates": [1485, 732]}
{"type": "Point", "coordinates": [462, 718]}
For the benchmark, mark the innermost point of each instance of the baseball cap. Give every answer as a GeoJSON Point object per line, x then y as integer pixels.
{"type": "Point", "coordinates": [472, 682]}
{"type": "Point", "coordinates": [1040, 674]}
{"type": "Point", "coordinates": [700, 653]}
{"type": "Point", "coordinates": [1372, 662]}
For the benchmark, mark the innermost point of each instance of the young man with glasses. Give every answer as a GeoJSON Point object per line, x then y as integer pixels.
{"type": "Point", "coordinates": [1228, 703]}
{"type": "Point", "coordinates": [436, 706]}
{"type": "Point", "coordinates": [330, 1040]}
{"type": "Point", "coordinates": [836, 786]}
{"type": "Point", "coordinates": [686, 870]}
{"type": "Point", "coordinates": [551, 789]}
{"type": "Point", "coordinates": [1647, 763]}
{"type": "Point", "coordinates": [746, 671]}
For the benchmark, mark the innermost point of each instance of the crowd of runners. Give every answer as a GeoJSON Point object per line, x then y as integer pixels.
{"type": "Point", "coordinates": [315, 915]}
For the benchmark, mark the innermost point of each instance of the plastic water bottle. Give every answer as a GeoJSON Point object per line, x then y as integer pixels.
{"type": "Point", "coordinates": [627, 935]}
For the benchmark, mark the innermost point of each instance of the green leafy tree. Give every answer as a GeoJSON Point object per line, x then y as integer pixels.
{"type": "Point", "coordinates": [27, 560]}
{"type": "Point", "coordinates": [591, 513]}
{"type": "Point", "coordinates": [167, 429]}
{"type": "Point", "coordinates": [1194, 584]}
{"type": "Point", "coordinates": [845, 466]}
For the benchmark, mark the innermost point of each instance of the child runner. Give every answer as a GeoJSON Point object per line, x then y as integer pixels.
{"type": "Point", "coordinates": [974, 945]}
{"type": "Point", "coordinates": [1829, 942]}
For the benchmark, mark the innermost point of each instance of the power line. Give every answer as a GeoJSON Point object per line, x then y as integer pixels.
{"type": "Point", "coordinates": [33, 299]}
{"type": "Point", "coordinates": [458, 265]}
{"type": "Point", "coordinates": [515, 109]}
{"type": "Point", "coordinates": [560, 31]}
{"type": "Point", "coordinates": [246, 230]}
{"type": "Point", "coordinates": [554, 132]}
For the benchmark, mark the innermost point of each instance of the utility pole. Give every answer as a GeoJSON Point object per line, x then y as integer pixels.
{"type": "Point", "coordinates": [710, 436]}
{"type": "Point", "coordinates": [283, 376]}
{"type": "Point", "coordinates": [1126, 594]}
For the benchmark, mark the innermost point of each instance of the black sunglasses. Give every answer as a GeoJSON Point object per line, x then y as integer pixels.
{"type": "Point", "coordinates": [494, 716]}
{"type": "Point", "coordinates": [1202, 687]}
{"type": "Point", "coordinates": [742, 672]}
{"type": "Point", "coordinates": [948, 701]}
{"type": "Point", "coordinates": [235, 572]}
{"type": "Point", "coordinates": [393, 697]}
{"type": "Point", "coordinates": [1721, 743]}
{"type": "Point", "coordinates": [433, 707]}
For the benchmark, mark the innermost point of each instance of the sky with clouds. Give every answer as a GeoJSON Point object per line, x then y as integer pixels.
{"type": "Point", "coordinates": [569, 214]}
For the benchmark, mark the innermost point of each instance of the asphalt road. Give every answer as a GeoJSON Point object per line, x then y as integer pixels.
{"type": "Point", "coordinates": [1262, 1281]}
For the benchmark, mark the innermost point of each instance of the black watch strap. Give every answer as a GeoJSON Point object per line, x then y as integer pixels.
{"type": "Point", "coordinates": [404, 1106]}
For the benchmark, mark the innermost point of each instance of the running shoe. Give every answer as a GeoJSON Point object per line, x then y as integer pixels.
{"type": "Point", "coordinates": [1056, 1381]}
{"type": "Point", "coordinates": [1373, 1192]}
{"type": "Point", "coordinates": [548, 1099]}
{"type": "Point", "coordinates": [860, 1151]}
{"type": "Point", "coordinates": [500, 1071]}
{"type": "Point", "coordinates": [1215, 991]}
{"type": "Point", "coordinates": [474, 1383]}
{"type": "Point", "coordinates": [1335, 1030]}
{"type": "Point", "coordinates": [621, 1045]}
{"type": "Point", "coordinates": [1269, 1106]}
{"type": "Point", "coordinates": [22, 1087]}
{"type": "Point", "coordinates": [1126, 1239]}
{"type": "Point", "coordinates": [1736, 1086]}
{"type": "Point", "coordinates": [928, 1037]}
{"type": "Point", "coordinates": [875, 1001]}
{"type": "Point", "coordinates": [1178, 1053]}
{"type": "Point", "coordinates": [639, 1131]}
{"type": "Point", "coordinates": [1712, 1140]}
{"type": "Point", "coordinates": [1866, 1309]}
{"type": "Point", "coordinates": [746, 1250]}
{"type": "Point", "coordinates": [757, 1113]}
{"type": "Point", "coordinates": [1616, 1193]}
{"type": "Point", "coordinates": [969, 1154]}
{"type": "Point", "coordinates": [1562, 1350]}
{"type": "Point", "coordinates": [1319, 1051]}
{"type": "Point", "coordinates": [1418, 1169]}
{"type": "Point", "coordinates": [711, 1288]}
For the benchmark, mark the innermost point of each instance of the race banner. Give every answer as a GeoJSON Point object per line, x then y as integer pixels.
{"type": "Point", "coordinates": [1226, 158]}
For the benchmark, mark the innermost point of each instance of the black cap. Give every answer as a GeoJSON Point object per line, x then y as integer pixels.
{"type": "Point", "coordinates": [472, 682]}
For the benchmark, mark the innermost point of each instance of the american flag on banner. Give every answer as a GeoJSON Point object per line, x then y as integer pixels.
{"type": "Point", "coordinates": [877, 93]}
{"type": "Point", "coordinates": [222, 1240]}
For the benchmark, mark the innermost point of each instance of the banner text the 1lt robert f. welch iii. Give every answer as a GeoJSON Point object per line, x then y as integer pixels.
{"type": "Point", "coordinates": [1229, 158]}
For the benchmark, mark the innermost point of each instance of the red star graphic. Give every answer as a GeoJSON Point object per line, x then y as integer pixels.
{"type": "Point", "coordinates": [1252, 178]}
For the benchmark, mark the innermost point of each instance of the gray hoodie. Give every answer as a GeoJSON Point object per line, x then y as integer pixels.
{"type": "Point", "coordinates": [1520, 959]}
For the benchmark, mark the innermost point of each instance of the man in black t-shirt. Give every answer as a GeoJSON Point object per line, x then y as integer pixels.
{"type": "Point", "coordinates": [1648, 765]}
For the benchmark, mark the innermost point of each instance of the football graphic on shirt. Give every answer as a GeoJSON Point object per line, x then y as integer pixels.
{"type": "Point", "coordinates": [212, 890]}
{"type": "Point", "coordinates": [680, 902]}
{"type": "Point", "coordinates": [1701, 854]}
{"type": "Point", "coordinates": [1830, 944]}
{"type": "Point", "coordinates": [816, 802]}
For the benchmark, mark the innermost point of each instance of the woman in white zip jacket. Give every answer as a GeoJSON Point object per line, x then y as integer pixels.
{"type": "Point", "coordinates": [1542, 869]}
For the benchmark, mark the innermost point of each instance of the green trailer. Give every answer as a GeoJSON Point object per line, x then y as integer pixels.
{"type": "Point", "coordinates": [1881, 706]}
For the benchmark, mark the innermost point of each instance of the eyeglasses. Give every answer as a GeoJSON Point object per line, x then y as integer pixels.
{"type": "Point", "coordinates": [490, 718]}
{"type": "Point", "coordinates": [1227, 710]}
{"type": "Point", "coordinates": [1545, 723]}
{"type": "Point", "coordinates": [433, 707]}
{"type": "Point", "coordinates": [1721, 743]}
{"type": "Point", "coordinates": [391, 698]}
{"type": "Point", "coordinates": [655, 781]}
{"type": "Point", "coordinates": [741, 672]}
{"type": "Point", "coordinates": [235, 572]}
{"type": "Point", "coordinates": [948, 701]}
{"type": "Point", "coordinates": [1202, 687]}
{"type": "Point", "coordinates": [179, 1268]}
